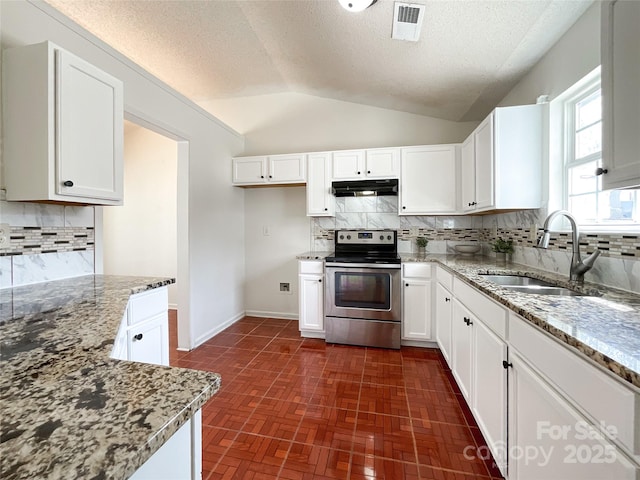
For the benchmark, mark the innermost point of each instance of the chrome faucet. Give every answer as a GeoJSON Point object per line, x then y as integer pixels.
{"type": "Point", "coordinates": [578, 267]}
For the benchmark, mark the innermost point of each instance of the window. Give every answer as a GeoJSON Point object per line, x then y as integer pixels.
{"type": "Point", "coordinates": [584, 196]}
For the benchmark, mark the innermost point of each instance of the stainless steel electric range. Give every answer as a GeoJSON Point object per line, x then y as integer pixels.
{"type": "Point", "coordinates": [362, 289]}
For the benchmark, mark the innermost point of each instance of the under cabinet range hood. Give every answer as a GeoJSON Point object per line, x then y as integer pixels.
{"type": "Point", "coordinates": [363, 188]}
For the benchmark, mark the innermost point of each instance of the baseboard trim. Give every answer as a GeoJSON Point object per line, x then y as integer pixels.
{"type": "Point", "coordinates": [417, 343]}
{"type": "Point", "coordinates": [263, 314]}
{"type": "Point", "coordinates": [216, 330]}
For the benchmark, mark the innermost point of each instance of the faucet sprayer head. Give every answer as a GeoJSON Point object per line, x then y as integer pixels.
{"type": "Point", "coordinates": [544, 240]}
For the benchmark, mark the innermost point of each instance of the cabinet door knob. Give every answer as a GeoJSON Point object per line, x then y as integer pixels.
{"type": "Point", "coordinates": [67, 183]}
{"type": "Point", "coordinates": [471, 204]}
{"type": "Point", "coordinates": [406, 284]}
{"type": "Point", "coordinates": [137, 337]}
{"type": "Point", "coordinates": [368, 171]}
{"type": "Point", "coordinates": [506, 364]}
{"type": "Point", "coordinates": [320, 280]}
{"type": "Point", "coordinates": [261, 176]}
{"type": "Point", "coordinates": [600, 171]}
{"type": "Point", "coordinates": [404, 208]}
{"type": "Point", "coordinates": [447, 299]}
{"type": "Point", "coordinates": [270, 176]}
{"type": "Point", "coordinates": [358, 173]}
{"type": "Point", "coordinates": [325, 209]}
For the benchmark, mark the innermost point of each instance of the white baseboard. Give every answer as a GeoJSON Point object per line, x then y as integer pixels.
{"type": "Point", "coordinates": [417, 343]}
{"type": "Point", "coordinates": [263, 314]}
{"type": "Point", "coordinates": [216, 330]}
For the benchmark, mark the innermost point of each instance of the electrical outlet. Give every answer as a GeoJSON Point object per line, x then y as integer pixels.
{"type": "Point", "coordinates": [266, 231]}
{"type": "Point", "coordinates": [533, 233]}
{"type": "Point", "coordinates": [285, 287]}
{"type": "Point", "coordinates": [4, 234]}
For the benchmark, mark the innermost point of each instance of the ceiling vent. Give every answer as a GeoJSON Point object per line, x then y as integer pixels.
{"type": "Point", "coordinates": [407, 21]}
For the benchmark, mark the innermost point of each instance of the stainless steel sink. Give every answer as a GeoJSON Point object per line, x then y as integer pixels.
{"type": "Point", "coordinates": [524, 284]}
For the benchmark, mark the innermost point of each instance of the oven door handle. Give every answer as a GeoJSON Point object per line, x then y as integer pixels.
{"type": "Point", "coordinates": [386, 266]}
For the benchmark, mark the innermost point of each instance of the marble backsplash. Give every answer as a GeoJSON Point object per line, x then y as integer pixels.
{"type": "Point", "coordinates": [46, 242]}
{"type": "Point", "coordinates": [618, 265]}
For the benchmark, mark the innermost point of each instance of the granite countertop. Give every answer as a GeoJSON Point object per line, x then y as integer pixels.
{"type": "Point", "coordinates": [68, 409]}
{"type": "Point", "coordinates": [604, 324]}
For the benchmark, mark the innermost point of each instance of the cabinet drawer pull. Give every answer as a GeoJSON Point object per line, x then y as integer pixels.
{"type": "Point", "coordinates": [67, 183]}
{"type": "Point", "coordinates": [137, 337]}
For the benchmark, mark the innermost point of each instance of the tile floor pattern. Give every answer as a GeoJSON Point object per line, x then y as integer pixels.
{"type": "Point", "coordinates": [298, 409]}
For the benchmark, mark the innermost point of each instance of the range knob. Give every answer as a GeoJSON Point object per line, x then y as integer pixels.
{"type": "Point", "coordinates": [381, 237]}
{"type": "Point", "coordinates": [388, 237]}
{"type": "Point", "coordinates": [348, 237]}
{"type": "Point", "coordinates": [341, 237]}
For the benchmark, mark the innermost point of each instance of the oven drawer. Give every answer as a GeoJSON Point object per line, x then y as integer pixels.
{"type": "Point", "coordinates": [416, 270]}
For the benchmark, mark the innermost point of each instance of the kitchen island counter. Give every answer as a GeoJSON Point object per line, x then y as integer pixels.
{"type": "Point", "coordinates": [68, 409]}
{"type": "Point", "coordinates": [604, 324]}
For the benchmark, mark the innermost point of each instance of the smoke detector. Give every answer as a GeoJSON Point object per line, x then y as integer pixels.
{"type": "Point", "coordinates": [407, 21]}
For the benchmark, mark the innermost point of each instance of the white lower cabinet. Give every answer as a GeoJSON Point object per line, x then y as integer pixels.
{"type": "Point", "coordinates": [180, 458]}
{"type": "Point", "coordinates": [461, 339]}
{"type": "Point", "coordinates": [311, 300]}
{"type": "Point", "coordinates": [545, 412]}
{"type": "Point", "coordinates": [144, 332]}
{"type": "Point", "coordinates": [444, 315]}
{"type": "Point", "coordinates": [489, 390]}
{"type": "Point", "coordinates": [416, 301]}
{"type": "Point", "coordinates": [549, 439]}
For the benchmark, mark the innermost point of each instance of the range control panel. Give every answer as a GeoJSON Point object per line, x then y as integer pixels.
{"type": "Point", "coordinates": [365, 237]}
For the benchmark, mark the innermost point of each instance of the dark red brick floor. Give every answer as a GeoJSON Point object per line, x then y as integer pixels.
{"type": "Point", "coordinates": [298, 409]}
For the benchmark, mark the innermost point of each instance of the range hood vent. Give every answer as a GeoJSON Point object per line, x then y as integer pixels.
{"type": "Point", "coordinates": [363, 188]}
{"type": "Point", "coordinates": [407, 21]}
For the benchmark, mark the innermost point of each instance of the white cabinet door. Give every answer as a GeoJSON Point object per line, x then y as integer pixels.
{"type": "Point", "coordinates": [249, 170]}
{"type": "Point", "coordinates": [444, 308]}
{"type": "Point", "coordinates": [416, 311]}
{"type": "Point", "coordinates": [484, 165]}
{"type": "Point", "coordinates": [63, 128]}
{"type": "Point", "coordinates": [461, 344]}
{"type": "Point", "coordinates": [287, 168]}
{"type": "Point", "coordinates": [489, 390]}
{"type": "Point", "coordinates": [149, 341]}
{"type": "Point", "coordinates": [428, 180]}
{"type": "Point", "coordinates": [320, 201]}
{"type": "Point", "coordinates": [311, 303]}
{"type": "Point", "coordinates": [348, 165]}
{"type": "Point", "coordinates": [382, 163]}
{"type": "Point", "coordinates": [468, 174]}
{"type": "Point", "coordinates": [620, 55]}
{"type": "Point", "coordinates": [555, 435]}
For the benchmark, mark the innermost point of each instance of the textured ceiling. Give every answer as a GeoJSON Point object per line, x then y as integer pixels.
{"type": "Point", "coordinates": [469, 56]}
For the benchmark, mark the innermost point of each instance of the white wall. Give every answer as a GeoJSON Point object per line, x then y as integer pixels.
{"type": "Point", "coordinates": [140, 237]}
{"type": "Point", "coordinates": [210, 265]}
{"type": "Point", "coordinates": [270, 259]}
{"type": "Point", "coordinates": [571, 58]}
{"type": "Point", "coordinates": [293, 122]}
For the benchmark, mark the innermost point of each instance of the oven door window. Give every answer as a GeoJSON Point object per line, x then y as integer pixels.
{"type": "Point", "coordinates": [363, 290]}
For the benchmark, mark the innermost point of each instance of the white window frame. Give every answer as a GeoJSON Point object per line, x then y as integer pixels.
{"type": "Point", "coordinates": [568, 100]}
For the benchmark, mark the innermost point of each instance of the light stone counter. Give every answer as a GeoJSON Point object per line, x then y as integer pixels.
{"type": "Point", "coordinates": [604, 324]}
{"type": "Point", "coordinates": [67, 409]}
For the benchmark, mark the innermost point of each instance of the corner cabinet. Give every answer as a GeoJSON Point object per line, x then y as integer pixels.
{"type": "Point", "coordinates": [428, 180]}
{"type": "Point", "coordinates": [311, 301]}
{"type": "Point", "coordinates": [502, 161]}
{"type": "Point", "coordinates": [620, 53]}
{"type": "Point", "coordinates": [320, 200]}
{"type": "Point", "coordinates": [63, 128]}
{"type": "Point", "coordinates": [272, 169]}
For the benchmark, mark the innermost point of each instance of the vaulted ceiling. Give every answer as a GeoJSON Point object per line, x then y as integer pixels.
{"type": "Point", "coordinates": [469, 55]}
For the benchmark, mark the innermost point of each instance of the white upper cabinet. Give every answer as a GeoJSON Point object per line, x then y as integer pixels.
{"type": "Point", "coordinates": [63, 128]}
{"type": "Point", "coordinates": [320, 200]}
{"type": "Point", "coordinates": [620, 53]}
{"type": "Point", "coordinates": [428, 180]}
{"type": "Point", "coordinates": [502, 161]}
{"type": "Point", "coordinates": [363, 164]}
{"type": "Point", "coordinates": [274, 169]}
